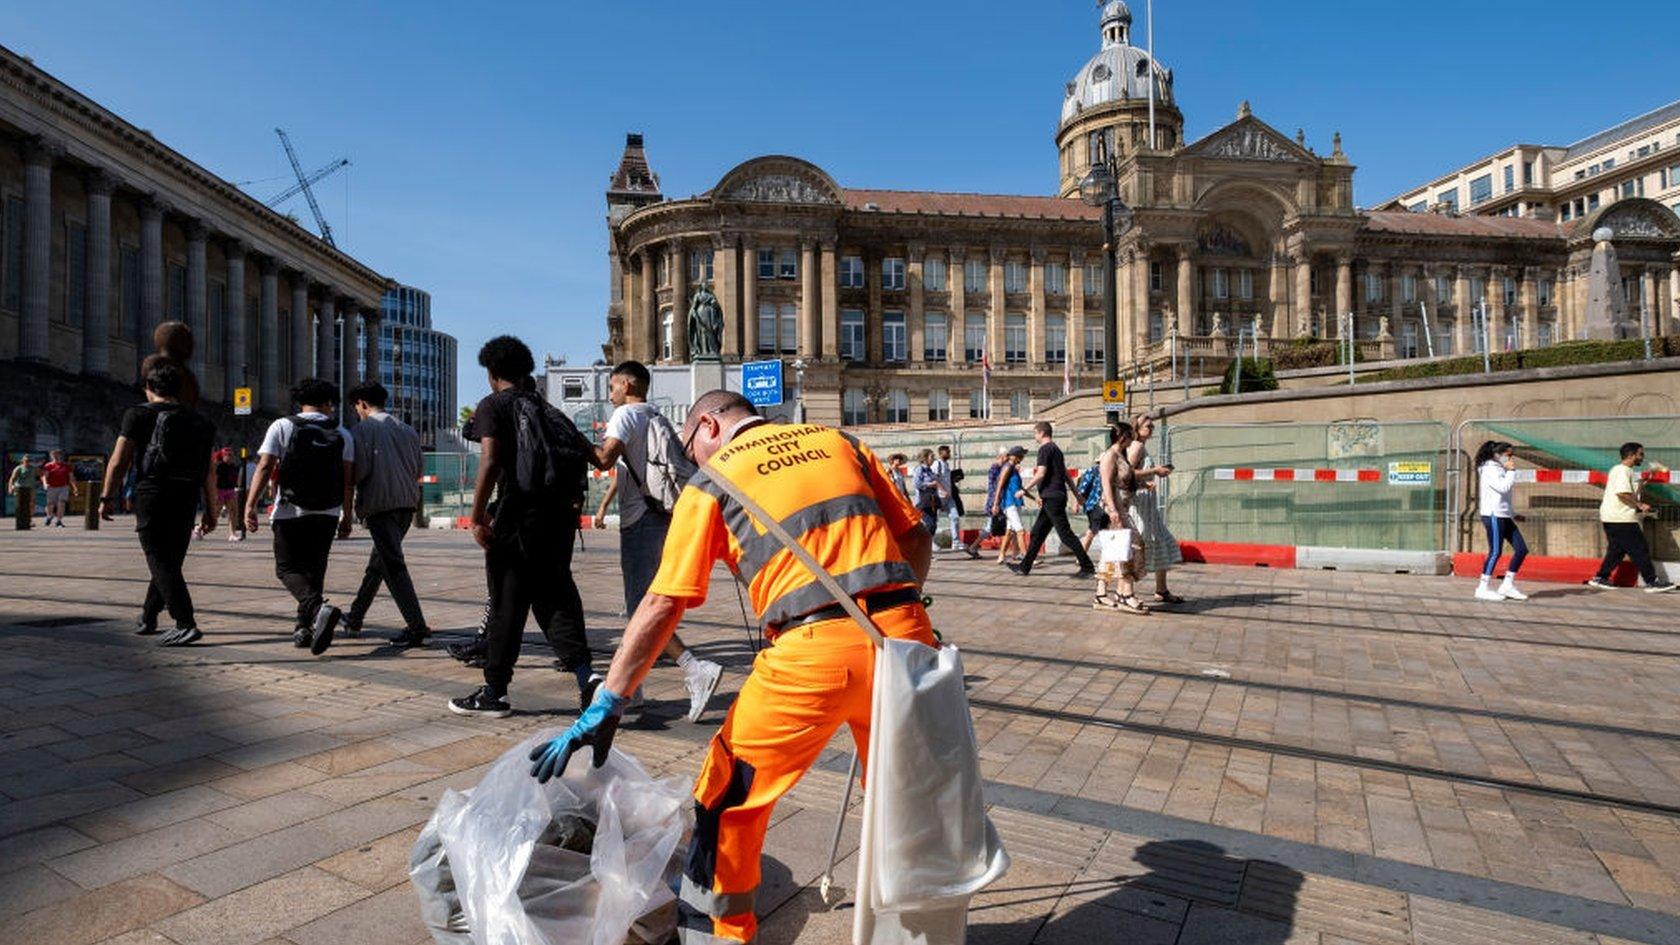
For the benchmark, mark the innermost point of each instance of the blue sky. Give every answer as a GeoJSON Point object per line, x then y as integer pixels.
{"type": "Point", "coordinates": [482, 141]}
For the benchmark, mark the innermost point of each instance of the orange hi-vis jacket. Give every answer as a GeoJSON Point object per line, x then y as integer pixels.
{"type": "Point", "coordinates": [827, 489]}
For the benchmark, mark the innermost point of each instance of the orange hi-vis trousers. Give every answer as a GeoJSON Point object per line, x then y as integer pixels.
{"type": "Point", "coordinates": [802, 688]}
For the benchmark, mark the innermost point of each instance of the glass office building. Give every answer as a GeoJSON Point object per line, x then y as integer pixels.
{"type": "Point", "coordinates": [417, 366]}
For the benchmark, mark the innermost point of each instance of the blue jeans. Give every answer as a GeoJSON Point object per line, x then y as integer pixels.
{"type": "Point", "coordinates": [1500, 531]}
{"type": "Point", "coordinates": [640, 547]}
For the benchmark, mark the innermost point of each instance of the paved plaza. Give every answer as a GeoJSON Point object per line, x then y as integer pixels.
{"type": "Point", "coordinates": [1302, 757]}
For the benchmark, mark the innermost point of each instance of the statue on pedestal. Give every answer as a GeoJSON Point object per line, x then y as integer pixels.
{"type": "Point", "coordinates": [1218, 326]}
{"type": "Point", "coordinates": [1383, 333]}
{"type": "Point", "coordinates": [705, 325]}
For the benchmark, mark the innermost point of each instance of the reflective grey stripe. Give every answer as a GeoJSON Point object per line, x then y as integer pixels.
{"type": "Point", "coordinates": [735, 518]}
{"type": "Point", "coordinates": [688, 936]}
{"type": "Point", "coordinates": [856, 582]}
{"type": "Point", "coordinates": [758, 552]}
{"type": "Point", "coordinates": [715, 904]}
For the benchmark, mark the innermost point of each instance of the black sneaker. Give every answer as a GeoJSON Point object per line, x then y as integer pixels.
{"type": "Point", "coordinates": [1600, 583]}
{"type": "Point", "coordinates": [350, 627]}
{"type": "Point", "coordinates": [300, 638]}
{"type": "Point", "coordinates": [472, 652]}
{"type": "Point", "coordinates": [142, 628]}
{"type": "Point", "coordinates": [180, 636]}
{"type": "Point", "coordinates": [481, 703]}
{"type": "Point", "coordinates": [1085, 573]}
{"type": "Point", "coordinates": [1018, 568]}
{"type": "Point", "coordinates": [408, 639]}
{"type": "Point", "coordinates": [1661, 587]}
{"type": "Point", "coordinates": [326, 620]}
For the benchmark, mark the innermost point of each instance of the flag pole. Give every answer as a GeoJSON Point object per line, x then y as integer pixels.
{"type": "Point", "coordinates": [1151, 51]}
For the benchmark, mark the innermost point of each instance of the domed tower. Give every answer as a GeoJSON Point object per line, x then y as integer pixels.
{"type": "Point", "coordinates": [1107, 103]}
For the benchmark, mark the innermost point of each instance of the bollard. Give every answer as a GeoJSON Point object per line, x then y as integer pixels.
{"type": "Point", "coordinates": [90, 517]}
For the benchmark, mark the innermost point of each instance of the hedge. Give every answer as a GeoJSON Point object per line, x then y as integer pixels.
{"type": "Point", "coordinates": [1558, 355]}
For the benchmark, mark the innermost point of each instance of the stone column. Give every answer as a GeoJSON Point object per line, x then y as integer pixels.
{"type": "Point", "coordinates": [726, 264]}
{"type": "Point", "coordinates": [1076, 311]}
{"type": "Point", "coordinates": [872, 306]}
{"type": "Point", "coordinates": [678, 261]}
{"type": "Point", "coordinates": [268, 322]}
{"type": "Point", "coordinates": [1652, 314]}
{"type": "Point", "coordinates": [1669, 326]}
{"type": "Point", "coordinates": [1431, 306]}
{"type": "Point", "coordinates": [829, 343]}
{"type": "Point", "coordinates": [151, 265]}
{"type": "Point", "coordinates": [96, 330]}
{"type": "Point", "coordinates": [956, 320]}
{"type": "Point", "coordinates": [914, 330]}
{"type": "Point", "coordinates": [1035, 313]}
{"type": "Point", "coordinates": [1464, 314]}
{"type": "Point", "coordinates": [994, 312]}
{"type": "Point", "coordinates": [1139, 328]}
{"type": "Point", "coordinates": [302, 357]}
{"type": "Point", "coordinates": [326, 352]}
{"type": "Point", "coordinates": [1303, 317]}
{"type": "Point", "coordinates": [1564, 298]}
{"type": "Point", "coordinates": [1530, 307]}
{"type": "Point", "coordinates": [197, 287]}
{"type": "Point", "coordinates": [810, 299]}
{"type": "Point", "coordinates": [34, 326]}
{"type": "Point", "coordinates": [1496, 320]}
{"type": "Point", "coordinates": [371, 353]}
{"type": "Point", "coordinates": [1277, 297]}
{"type": "Point", "coordinates": [1344, 286]}
{"type": "Point", "coordinates": [1396, 295]}
{"type": "Point", "coordinates": [238, 371]}
{"type": "Point", "coordinates": [749, 297]}
{"type": "Point", "coordinates": [1186, 292]}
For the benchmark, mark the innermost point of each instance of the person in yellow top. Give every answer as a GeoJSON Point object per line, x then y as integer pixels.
{"type": "Point", "coordinates": [1619, 512]}
{"type": "Point", "coordinates": [835, 497]}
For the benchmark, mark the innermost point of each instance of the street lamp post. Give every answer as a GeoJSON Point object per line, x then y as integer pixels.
{"type": "Point", "coordinates": [799, 390]}
{"type": "Point", "coordinates": [1101, 188]}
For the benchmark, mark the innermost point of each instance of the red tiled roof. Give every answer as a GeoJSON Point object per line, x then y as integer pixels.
{"type": "Point", "coordinates": [992, 205]}
{"type": "Point", "coordinates": [1438, 224]}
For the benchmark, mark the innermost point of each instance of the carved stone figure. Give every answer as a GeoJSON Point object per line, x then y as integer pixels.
{"type": "Point", "coordinates": [1251, 143]}
{"type": "Point", "coordinates": [779, 188]}
{"type": "Point", "coordinates": [1218, 326]}
{"type": "Point", "coordinates": [1383, 334]}
{"type": "Point", "coordinates": [705, 324]}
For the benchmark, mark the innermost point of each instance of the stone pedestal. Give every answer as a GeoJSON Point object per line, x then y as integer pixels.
{"type": "Point", "coordinates": [705, 374]}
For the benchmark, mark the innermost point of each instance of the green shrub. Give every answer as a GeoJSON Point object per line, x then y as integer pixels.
{"type": "Point", "coordinates": [1256, 375]}
{"type": "Point", "coordinates": [1558, 355]}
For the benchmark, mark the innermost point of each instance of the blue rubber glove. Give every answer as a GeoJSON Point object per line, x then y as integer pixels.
{"type": "Point", "coordinates": [595, 727]}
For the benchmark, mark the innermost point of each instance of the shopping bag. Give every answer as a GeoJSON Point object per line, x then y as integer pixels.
{"type": "Point", "coordinates": [1116, 546]}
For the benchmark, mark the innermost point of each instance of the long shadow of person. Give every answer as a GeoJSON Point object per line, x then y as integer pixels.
{"type": "Point", "coordinates": [1190, 893]}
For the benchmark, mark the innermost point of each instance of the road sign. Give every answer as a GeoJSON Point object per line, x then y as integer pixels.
{"type": "Point", "coordinates": [1114, 392]}
{"type": "Point", "coordinates": [242, 401]}
{"type": "Point", "coordinates": [761, 383]}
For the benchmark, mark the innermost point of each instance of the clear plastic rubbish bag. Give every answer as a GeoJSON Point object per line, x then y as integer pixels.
{"type": "Point", "coordinates": [512, 848]}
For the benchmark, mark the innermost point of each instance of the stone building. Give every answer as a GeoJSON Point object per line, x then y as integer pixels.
{"type": "Point", "coordinates": [105, 232]}
{"type": "Point", "coordinates": [417, 366]}
{"type": "Point", "coordinates": [895, 301]}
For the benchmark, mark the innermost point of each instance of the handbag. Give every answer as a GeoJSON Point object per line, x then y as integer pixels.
{"type": "Point", "coordinates": [1116, 546]}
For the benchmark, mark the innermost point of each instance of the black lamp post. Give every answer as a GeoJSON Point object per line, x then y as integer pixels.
{"type": "Point", "coordinates": [1101, 188]}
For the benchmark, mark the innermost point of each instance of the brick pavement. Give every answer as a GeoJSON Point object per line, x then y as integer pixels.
{"type": "Point", "coordinates": [1297, 757]}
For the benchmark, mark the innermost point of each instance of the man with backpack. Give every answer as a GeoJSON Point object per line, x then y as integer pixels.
{"type": "Point", "coordinates": [539, 459]}
{"type": "Point", "coordinates": [387, 471]}
{"type": "Point", "coordinates": [169, 446]}
{"type": "Point", "coordinates": [312, 453]}
{"type": "Point", "coordinates": [647, 451]}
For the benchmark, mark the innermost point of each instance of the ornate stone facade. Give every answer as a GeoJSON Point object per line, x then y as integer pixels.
{"type": "Point", "coordinates": [897, 301]}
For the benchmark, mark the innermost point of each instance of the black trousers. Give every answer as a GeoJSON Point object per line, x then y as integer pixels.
{"type": "Point", "coordinates": [301, 547]}
{"type": "Point", "coordinates": [531, 573]}
{"type": "Point", "coordinates": [164, 539]}
{"type": "Point", "coordinates": [1626, 539]}
{"type": "Point", "coordinates": [1053, 515]}
{"type": "Point", "coordinates": [386, 564]}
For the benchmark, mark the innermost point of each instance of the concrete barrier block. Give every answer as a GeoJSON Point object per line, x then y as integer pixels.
{"type": "Point", "coordinates": [1375, 560]}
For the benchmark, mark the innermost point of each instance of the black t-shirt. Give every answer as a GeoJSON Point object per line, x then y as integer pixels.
{"type": "Point", "coordinates": [497, 418]}
{"type": "Point", "coordinates": [1054, 484]}
{"type": "Point", "coordinates": [154, 498]}
{"type": "Point", "coordinates": [227, 475]}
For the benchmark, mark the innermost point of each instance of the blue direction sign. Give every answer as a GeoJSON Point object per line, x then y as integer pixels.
{"type": "Point", "coordinates": [761, 382]}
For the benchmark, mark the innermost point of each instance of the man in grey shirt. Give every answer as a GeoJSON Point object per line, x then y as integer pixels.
{"type": "Point", "coordinates": [387, 476]}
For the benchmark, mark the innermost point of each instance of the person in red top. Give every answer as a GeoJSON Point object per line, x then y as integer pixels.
{"type": "Point", "coordinates": [60, 480]}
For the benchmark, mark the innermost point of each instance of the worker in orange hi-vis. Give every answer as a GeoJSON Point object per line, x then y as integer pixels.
{"type": "Point", "coordinates": [831, 493]}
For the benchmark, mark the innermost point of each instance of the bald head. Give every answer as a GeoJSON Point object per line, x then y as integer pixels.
{"type": "Point", "coordinates": [714, 414]}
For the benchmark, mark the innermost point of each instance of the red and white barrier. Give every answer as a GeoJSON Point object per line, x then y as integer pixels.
{"type": "Point", "coordinates": [1580, 476]}
{"type": "Point", "coordinates": [1245, 474]}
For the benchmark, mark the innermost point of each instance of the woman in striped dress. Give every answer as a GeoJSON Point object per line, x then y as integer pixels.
{"type": "Point", "coordinates": [1160, 548]}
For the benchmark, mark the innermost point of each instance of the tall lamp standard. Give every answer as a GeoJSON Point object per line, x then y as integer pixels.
{"type": "Point", "coordinates": [1101, 188]}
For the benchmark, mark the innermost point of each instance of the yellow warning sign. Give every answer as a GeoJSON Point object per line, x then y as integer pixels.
{"type": "Point", "coordinates": [242, 401]}
{"type": "Point", "coordinates": [1114, 392]}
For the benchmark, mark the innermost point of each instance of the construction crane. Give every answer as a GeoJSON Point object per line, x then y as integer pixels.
{"type": "Point", "coordinates": [314, 178]}
{"type": "Point", "coordinates": [303, 182]}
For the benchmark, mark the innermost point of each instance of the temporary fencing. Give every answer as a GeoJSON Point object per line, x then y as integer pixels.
{"type": "Point", "coordinates": [447, 481]}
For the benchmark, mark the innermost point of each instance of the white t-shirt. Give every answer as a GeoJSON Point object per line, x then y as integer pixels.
{"type": "Point", "coordinates": [1494, 500]}
{"type": "Point", "coordinates": [277, 441]}
{"type": "Point", "coordinates": [1612, 508]}
{"type": "Point", "coordinates": [942, 472]}
{"type": "Point", "coordinates": [629, 425]}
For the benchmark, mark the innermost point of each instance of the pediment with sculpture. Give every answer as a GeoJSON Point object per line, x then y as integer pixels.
{"type": "Point", "coordinates": [1636, 218]}
{"type": "Point", "coordinates": [1250, 139]}
{"type": "Point", "coordinates": [778, 180]}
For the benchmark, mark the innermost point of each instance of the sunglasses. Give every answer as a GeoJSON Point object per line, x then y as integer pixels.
{"type": "Point", "coordinates": [688, 441]}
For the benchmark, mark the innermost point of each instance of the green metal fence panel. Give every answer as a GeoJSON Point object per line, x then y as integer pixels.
{"type": "Point", "coordinates": [1397, 507]}
{"type": "Point", "coordinates": [447, 481]}
{"type": "Point", "coordinates": [1559, 518]}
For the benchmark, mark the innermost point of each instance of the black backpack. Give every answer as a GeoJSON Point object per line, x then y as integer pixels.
{"type": "Point", "coordinates": [179, 450]}
{"type": "Point", "coordinates": [553, 457]}
{"type": "Point", "coordinates": [312, 472]}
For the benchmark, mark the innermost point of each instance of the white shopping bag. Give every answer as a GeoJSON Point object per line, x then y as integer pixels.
{"type": "Point", "coordinates": [1115, 546]}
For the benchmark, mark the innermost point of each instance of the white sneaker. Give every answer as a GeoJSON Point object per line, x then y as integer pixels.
{"type": "Point", "coordinates": [1483, 592]}
{"type": "Point", "coordinates": [1508, 590]}
{"type": "Point", "coordinates": [702, 678]}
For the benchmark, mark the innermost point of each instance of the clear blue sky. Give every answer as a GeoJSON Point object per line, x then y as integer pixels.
{"type": "Point", "coordinates": [482, 141]}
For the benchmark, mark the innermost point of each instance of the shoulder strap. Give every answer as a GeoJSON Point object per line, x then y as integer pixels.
{"type": "Point", "coordinates": [821, 573]}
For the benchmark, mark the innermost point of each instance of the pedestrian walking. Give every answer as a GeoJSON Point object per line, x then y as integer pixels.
{"type": "Point", "coordinates": [948, 476]}
{"type": "Point", "coordinates": [1496, 474]}
{"type": "Point", "coordinates": [22, 485]}
{"type": "Point", "coordinates": [898, 470]}
{"type": "Point", "coordinates": [386, 471]}
{"type": "Point", "coordinates": [168, 445]}
{"type": "Point", "coordinates": [1161, 551]}
{"type": "Point", "coordinates": [60, 480]}
{"type": "Point", "coordinates": [1620, 513]}
{"type": "Point", "coordinates": [1010, 498]}
{"type": "Point", "coordinates": [227, 492]}
{"type": "Point", "coordinates": [309, 455]}
{"type": "Point", "coordinates": [1122, 549]}
{"type": "Point", "coordinates": [930, 494]}
{"type": "Point", "coordinates": [644, 448]}
{"type": "Point", "coordinates": [538, 460]}
{"type": "Point", "coordinates": [1088, 490]}
{"type": "Point", "coordinates": [829, 491]}
{"type": "Point", "coordinates": [1050, 478]}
